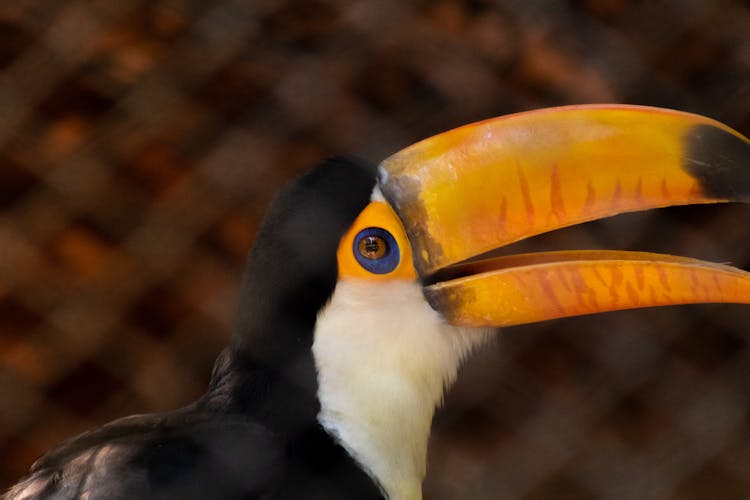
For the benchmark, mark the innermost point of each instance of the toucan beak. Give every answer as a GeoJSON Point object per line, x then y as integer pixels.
{"type": "Point", "coordinates": [474, 189]}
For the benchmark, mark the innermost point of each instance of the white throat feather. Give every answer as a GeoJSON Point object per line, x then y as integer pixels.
{"type": "Point", "coordinates": [384, 358]}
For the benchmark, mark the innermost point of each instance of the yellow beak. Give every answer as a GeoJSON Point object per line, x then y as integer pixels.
{"type": "Point", "coordinates": [474, 189]}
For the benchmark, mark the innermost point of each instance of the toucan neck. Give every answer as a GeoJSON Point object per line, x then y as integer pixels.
{"type": "Point", "coordinates": [268, 368]}
{"type": "Point", "coordinates": [280, 396]}
{"type": "Point", "coordinates": [271, 397]}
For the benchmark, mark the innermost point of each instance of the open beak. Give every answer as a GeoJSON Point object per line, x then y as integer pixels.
{"type": "Point", "coordinates": [469, 191]}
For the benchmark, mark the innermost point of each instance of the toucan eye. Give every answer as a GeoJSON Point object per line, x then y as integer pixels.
{"type": "Point", "coordinates": [372, 247]}
{"type": "Point", "coordinates": [376, 250]}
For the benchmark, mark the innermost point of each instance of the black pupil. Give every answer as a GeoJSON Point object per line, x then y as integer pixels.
{"type": "Point", "coordinates": [372, 247]}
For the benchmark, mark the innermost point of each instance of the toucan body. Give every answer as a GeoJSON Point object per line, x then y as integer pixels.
{"type": "Point", "coordinates": [368, 287]}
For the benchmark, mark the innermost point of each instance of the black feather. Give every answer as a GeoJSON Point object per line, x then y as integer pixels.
{"type": "Point", "coordinates": [254, 434]}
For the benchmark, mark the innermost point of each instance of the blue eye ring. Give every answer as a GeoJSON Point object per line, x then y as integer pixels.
{"type": "Point", "coordinates": [376, 250]}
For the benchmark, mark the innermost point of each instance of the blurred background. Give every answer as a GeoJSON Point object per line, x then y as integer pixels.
{"type": "Point", "coordinates": [140, 142]}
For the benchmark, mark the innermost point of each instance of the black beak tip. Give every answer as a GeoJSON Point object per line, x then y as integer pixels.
{"type": "Point", "coordinates": [720, 161]}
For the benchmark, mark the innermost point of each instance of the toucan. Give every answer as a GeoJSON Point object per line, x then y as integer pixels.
{"type": "Point", "coordinates": [368, 286]}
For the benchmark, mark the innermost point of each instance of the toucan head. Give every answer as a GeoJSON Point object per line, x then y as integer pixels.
{"type": "Point", "coordinates": [419, 285]}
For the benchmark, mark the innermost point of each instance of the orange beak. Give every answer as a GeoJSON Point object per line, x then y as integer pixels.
{"type": "Point", "coordinates": [474, 189]}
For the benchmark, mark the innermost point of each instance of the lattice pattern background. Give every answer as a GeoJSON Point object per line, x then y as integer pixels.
{"type": "Point", "coordinates": [141, 140]}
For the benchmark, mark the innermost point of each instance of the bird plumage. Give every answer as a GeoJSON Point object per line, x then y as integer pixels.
{"type": "Point", "coordinates": [384, 359]}
{"type": "Point", "coordinates": [254, 434]}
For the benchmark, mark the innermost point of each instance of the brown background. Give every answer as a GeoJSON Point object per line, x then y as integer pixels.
{"type": "Point", "coordinates": [141, 140]}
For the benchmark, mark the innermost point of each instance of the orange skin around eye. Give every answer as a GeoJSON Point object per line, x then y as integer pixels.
{"type": "Point", "coordinates": [376, 214]}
